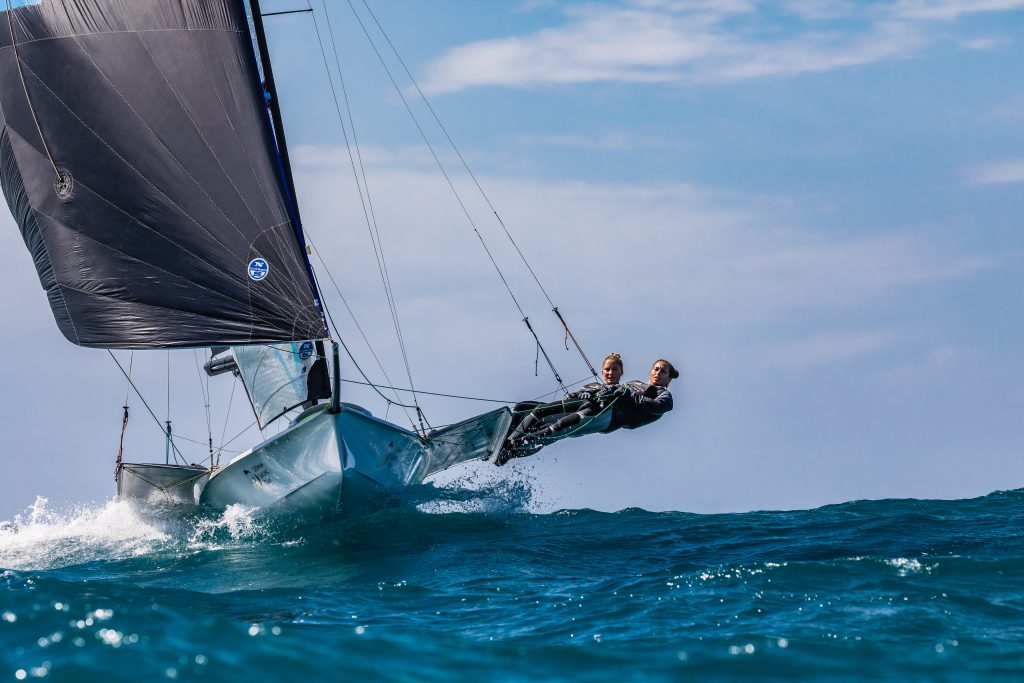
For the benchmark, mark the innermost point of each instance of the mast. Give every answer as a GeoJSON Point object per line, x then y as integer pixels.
{"type": "Point", "coordinates": [270, 93]}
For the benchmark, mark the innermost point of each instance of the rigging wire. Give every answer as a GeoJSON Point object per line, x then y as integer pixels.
{"type": "Point", "coordinates": [206, 400]}
{"type": "Point", "coordinates": [142, 398]}
{"type": "Point", "coordinates": [355, 363]}
{"type": "Point", "coordinates": [124, 418]}
{"type": "Point", "coordinates": [368, 213]}
{"type": "Point", "coordinates": [362, 184]}
{"type": "Point", "coordinates": [459, 396]}
{"type": "Point", "coordinates": [479, 187]}
{"type": "Point", "coordinates": [227, 415]}
{"type": "Point", "coordinates": [170, 440]}
{"type": "Point", "coordinates": [236, 436]}
{"type": "Point", "coordinates": [501, 222]}
{"type": "Point", "coordinates": [352, 314]}
{"type": "Point", "coordinates": [458, 197]}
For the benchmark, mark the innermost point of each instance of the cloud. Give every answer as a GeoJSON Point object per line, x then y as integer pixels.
{"type": "Point", "coordinates": [949, 10]}
{"type": "Point", "coordinates": [692, 41]}
{"type": "Point", "coordinates": [984, 44]}
{"type": "Point", "coordinates": [828, 349]}
{"type": "Point", "coordinates": [652, 258]}
{"type": "Point", "coordinates": [615, 142]}
{"type": "Point", "coordinates": [999, 173]}
{"type": "Point", "coordinates": [1012, 110]}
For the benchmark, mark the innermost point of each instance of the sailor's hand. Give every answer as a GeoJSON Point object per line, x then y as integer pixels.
{"type": "Point", "coordinates": [584, 395]}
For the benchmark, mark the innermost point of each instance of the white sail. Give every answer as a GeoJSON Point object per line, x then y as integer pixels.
{"type": "Point", "coordinates": [279, 377]}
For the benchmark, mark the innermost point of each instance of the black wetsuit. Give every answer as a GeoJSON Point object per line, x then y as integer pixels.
{"type": "Point", "coordinates": [576, 406]}
{"type": "Point", "coordinates": [633, 405]}
{"type": "Point", "coordinates": [640, 405]}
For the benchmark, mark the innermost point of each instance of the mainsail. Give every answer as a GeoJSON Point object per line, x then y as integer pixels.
{"type": "Point", "coordinates": [137, 157]}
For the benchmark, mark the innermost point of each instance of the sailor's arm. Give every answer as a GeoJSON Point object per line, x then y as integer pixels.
{"type": "Point", "coordinates": [658, 404]}
{"type": "Point", "coordinates": [587, 391]}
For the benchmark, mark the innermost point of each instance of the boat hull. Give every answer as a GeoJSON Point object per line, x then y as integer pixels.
{"type": "Point", "coordinates": [346, 463]}
{"type": "Point", "coordinates": [326, 464]}
{"type": "Point", "coordinates": [154, 482]}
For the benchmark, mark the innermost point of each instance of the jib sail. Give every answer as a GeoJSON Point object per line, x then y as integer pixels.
{"type": "Point", "coordinates": [279, 377]}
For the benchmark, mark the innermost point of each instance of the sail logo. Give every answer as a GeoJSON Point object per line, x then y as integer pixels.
{"type": "Point", "coordinates": [305, 350]}
{"type": "Point", "coordinates": [258, 269]}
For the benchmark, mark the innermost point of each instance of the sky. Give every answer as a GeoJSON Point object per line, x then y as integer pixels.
{"type": "Point", "coordinates": [813, 209]}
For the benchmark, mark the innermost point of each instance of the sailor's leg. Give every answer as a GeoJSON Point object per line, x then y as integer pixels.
{"type": "Point", "coordinates": [520, 411]}
{"type": "Point", "coordinates": [567, 422]}
{"type": "Point", "coordinates": [532, 421]}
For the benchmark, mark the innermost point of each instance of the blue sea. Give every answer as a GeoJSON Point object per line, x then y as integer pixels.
{"type": "Point", "coordinates": [466, 585]}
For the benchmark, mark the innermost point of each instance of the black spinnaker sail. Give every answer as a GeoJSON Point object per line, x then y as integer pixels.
{"type": "Point", "coordinates": [137, 157]}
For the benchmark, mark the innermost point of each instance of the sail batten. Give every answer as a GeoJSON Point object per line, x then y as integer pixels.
{"type": "Point", "coordinates": [167, 224]}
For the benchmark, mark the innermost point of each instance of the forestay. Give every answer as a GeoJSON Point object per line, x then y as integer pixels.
{"type": "Point", "coordinates": [137, 157]}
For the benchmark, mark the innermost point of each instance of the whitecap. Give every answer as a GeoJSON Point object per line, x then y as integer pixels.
{"type": "Point", "coordinates": [43, 538]}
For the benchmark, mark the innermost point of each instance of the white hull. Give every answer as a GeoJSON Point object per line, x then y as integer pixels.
{"type": "Point", "coordinates": [344, 463]}
{"type": "Point", "coordinates": [161, 483]}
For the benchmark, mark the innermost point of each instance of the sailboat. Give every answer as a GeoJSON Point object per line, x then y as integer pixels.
{"type": "Point", "coordinates": [143, 156]}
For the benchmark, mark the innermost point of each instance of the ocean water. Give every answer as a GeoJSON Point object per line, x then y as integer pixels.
{"type": "Point", "coordinates": [867, 590]}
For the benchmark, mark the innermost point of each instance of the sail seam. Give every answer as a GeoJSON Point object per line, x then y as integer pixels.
{"type": "Point", "coordinates": [245, 154]}
{"type": "Point", "coordinates": [193, 314]}
{"type": "Point", "coordinates": [294, 293]}
{"type": "Point", "coordinates": [188, 115]}
{"type": "Point", "coordinates": [132, 167]}
{"type": "Point", "coordinates": [231, 124]}
{"type": "Point", "coordinates": [149, 229]}
{"type": "Point", "coordinates": [315, 318]}
{"type": "Point", "coordinates": [284, 247]}
{"type": "Point", "coordinates": [114, 33]}
{"type": "Point", "coordinates": [153, 266]}
{"type": "Point", "coordinates": [163, 144]}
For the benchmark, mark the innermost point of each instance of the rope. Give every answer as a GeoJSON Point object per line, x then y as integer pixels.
{"type": "Point", "coordinates": [28, 98]}
{"type": "Point", "coordinates": [170, 439]}
{"type": "Point", "coordinates": [432, 393]}
{"type": "Point", "coordinates": [232, 439]}
{"type": "Point", "coordinates": [451, 185]}
{"type": "Point", "coordinates": [570, 335]}
{"type": "Point", "coordinates": [363, 186]}
{"type": "Point", "coordinates": [224, 430]}
{"type": "Point", "coordinates": [124, 420]}
{"type": "Point", "coordinates": [354, 319]}
{"type": "Point", "coordinates": [540, 348]}
{"type": "Point", "coordinates": [206, 401]}
{"type": "Point", "coordinates": [479, 187]}
{"type": "Point", "coordinates": [355, 363]}
{"type": "Point", "coordinates": [120, 447]}
{"type": "Point", "coordinates": [142, 398]}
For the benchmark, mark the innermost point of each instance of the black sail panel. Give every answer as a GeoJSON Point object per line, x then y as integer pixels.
{"type": "Point", "coordinates": [137, 156]}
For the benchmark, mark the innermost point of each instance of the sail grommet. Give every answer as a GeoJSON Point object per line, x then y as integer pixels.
{"type": "Point", "coordinates": [63, 184]}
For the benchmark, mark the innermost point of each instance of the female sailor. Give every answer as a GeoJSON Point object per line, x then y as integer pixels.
{"type": "Point", "coordinates": [596, 407]}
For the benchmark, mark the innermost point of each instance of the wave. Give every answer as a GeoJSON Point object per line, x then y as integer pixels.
{"type": "Point", "coordinates": [468, 512]}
